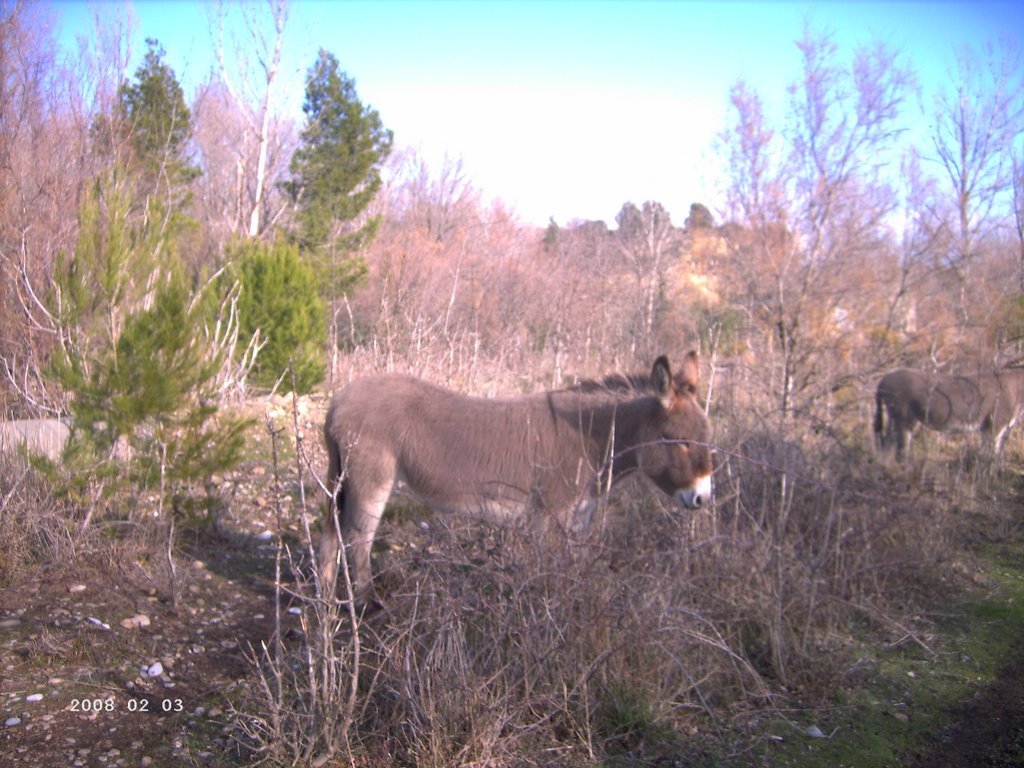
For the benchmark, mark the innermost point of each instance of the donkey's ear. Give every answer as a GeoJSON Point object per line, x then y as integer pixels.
{"type": "Point", "coordinates": [661, 378]}
{"type": "Point", "coordinates": [689, 373]}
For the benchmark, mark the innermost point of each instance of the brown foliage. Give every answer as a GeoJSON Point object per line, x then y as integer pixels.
{"type": "Point", "coordinates": [41, 155]}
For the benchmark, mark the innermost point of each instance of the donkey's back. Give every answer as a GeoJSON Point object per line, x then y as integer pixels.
{"type": "Point", "coordinates": [454, 451]}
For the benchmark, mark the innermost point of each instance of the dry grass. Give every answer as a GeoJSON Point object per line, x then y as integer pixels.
{"type": "Point", "coordinates": [34, 528]}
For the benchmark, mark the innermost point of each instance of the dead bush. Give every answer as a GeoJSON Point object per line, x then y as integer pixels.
{"type": "Point", "coordinates": [500, 648]}
{"type": "Point", "coordinates": [823, 542]}
{"type": "Point", "coordinates": [33, 526]}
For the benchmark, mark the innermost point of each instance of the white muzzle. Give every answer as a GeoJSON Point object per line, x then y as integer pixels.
{"type": "Point", "coordinates": [697, 495]}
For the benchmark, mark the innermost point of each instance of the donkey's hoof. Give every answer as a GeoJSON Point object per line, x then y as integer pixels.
{"type": "Point", "coordinates": [372, 606]}
{"type": "Point", "coordinates": [364, 608]}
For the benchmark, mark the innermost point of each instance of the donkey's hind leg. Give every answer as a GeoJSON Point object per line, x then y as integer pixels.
{"type": "Point", "coordinates": [359, 515]}
{"type": "Point", "coordinates": [993, 447]}
{"type": "Point", "coordinates": [362, 515]}
{"type": "Point", "coordinates": [328, 554]}
{"type": "Point", "coordinates": [902, 439]}
{"type": "Point", "coordinates": [890, 436]}
{"type": "Point", "coordinates": [879, 424]}
{"type": "Point", "coordinates": [899, 432]}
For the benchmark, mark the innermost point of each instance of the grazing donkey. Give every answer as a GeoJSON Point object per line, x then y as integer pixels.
{"type": "Point", "coordinates": [987, 402]}
{"type": "Point", "coordinates": [547, 454]}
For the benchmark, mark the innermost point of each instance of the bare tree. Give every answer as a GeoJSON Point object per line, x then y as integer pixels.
{"type": "Point", "coordinates": [649, 244]}
{"type": "Point", "coordinates": [441, 201]}
{"type": "Point", "coordinates": [104, 58]}
{"type": "Point", "coordinates": [101, 68]}
{"type": "Point", "coordinates": [43, 160]}
{"type": "Point", "coordinates": [809, 210]}
{"type": "Point", "coordinates": [1018, 214]}
{"type": "Point", "coordinates": [254, 98]}
{"type": "Point", "coordinates": [977, 123]}
{"type": "Point", "coordinates": [812, 204]}
{"type": "Point", "coordinates": [917, 238]}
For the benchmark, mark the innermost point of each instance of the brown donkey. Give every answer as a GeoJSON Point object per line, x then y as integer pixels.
{"type": "Point", "coordinates": [988, 402]}
{"type": "Point", "coordinates": [546, 454]}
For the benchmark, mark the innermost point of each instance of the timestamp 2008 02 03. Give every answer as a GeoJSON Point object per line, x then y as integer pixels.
{"type": "Point", "coordinates": [131, 704]}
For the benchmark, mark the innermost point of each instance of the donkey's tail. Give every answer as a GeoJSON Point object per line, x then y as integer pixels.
{"type": "Point", "coordinates": [335, 478]}
{"type": "Point", "coordinates": [879, 422]}
{"type": "Point", "coordinates": [339, 494]}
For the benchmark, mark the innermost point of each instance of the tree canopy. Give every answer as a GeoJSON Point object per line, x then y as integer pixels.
{"type": "Point", "coordinates": [158, 123]}
{"type": "Point", "coordinates": [336, 169]}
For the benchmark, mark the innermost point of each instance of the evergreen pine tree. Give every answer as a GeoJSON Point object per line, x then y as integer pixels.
{"type": "Point", "coordinates": [153, 114]}
{"type": "Point", "coordinates": [336, 169]}
{"type": "Point", "coordinates": [136, 362]}
{"type": "Point", "coordinates": [335, 175]}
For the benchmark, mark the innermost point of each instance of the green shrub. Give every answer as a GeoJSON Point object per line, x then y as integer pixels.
{"type": "Point", "coordinates": [280, 300]}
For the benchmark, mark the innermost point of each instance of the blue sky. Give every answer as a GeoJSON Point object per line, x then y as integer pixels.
{"type": "Point", "coordinates": [569, 109]}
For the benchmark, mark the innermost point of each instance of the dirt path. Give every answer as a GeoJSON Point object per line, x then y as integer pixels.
{"type": "Point", "coordinates": [987, 730]}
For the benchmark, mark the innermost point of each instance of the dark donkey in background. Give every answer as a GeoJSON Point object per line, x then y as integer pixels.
{"type": "Point", "coordinates": [546, 455]}
{"type": "Point", "coordinates": [987, 402]}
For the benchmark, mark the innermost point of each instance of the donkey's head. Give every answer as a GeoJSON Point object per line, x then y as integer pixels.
{"type": "Point", "coordinates": [676, 449]}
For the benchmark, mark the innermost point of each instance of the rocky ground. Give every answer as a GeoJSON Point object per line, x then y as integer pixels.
{"type": "Point", "coordinates": [104, 663]}
{"type": "Point", "coordinates": [98, 670]}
